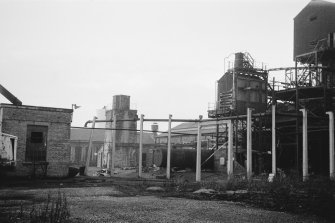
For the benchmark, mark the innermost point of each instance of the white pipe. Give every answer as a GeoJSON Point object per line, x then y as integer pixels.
{"type": "Point", "coordinates": [198, 164]}
{"type": "Point", "coordinates": [230, 166]}
{"type": "Point", "coordinates": [304, 145]}
{"type": "Point", "coordinates": [273, 153]}
{"type": "Point", "coordinates": [141, 148]}
{"type": "Point", "coordinates": [88, 155]}
{"type": "Point", "coordinates": [113, 144]}
{"type": "Point", "coordinates": [331, 145]}
{"type": "Point", "coordinates": [168, 161]}
{"type": "Point", "coordinates": [249, 144]}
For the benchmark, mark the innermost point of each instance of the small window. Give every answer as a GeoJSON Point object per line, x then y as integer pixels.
{"type": "Point", "coordinates": [312, 18]}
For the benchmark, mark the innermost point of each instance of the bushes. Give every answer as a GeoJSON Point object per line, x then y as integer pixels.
{"type": "Point", "coordinates": [289, 193]}
{"type": "Point", "coordinates": [52, 211]}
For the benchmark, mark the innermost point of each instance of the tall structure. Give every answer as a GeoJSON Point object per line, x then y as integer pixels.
{"type": "Point", "coordinates": [241, 87]}
{"type": "Point", "coordinates": [311, 85]}
{"type": "Point", "coordinates": [123, 133]}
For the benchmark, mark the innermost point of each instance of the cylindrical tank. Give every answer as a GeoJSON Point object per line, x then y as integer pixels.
{"type": "Point", "coordinates": [238, 60]}
{"type": "Point", "coordinates": [183, 158]}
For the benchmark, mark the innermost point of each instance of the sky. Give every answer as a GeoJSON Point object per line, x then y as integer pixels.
{"type": "Point", "coordinates": [165, 54]}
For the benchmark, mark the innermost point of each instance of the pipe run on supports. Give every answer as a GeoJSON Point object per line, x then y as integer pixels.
{"type": "Point", "coordinates": [304, 145]}
{"type": "Point", "coordinates": [273, 130]}
{"type": "Point", "coordinates": [230, 161]}
{"type": "Point", "coordinates": [168, 161]}
{"type": "Point", "coordinates": [331, 145]}
{"type": "Point", "coordinates": [249, 144]}
{"type": "Point", "coordinates": [198, 164]}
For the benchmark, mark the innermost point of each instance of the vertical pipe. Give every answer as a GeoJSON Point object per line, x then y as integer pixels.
{"type": "Point", "coordinates": [230, 165]}
{"type": "Point", "coordinates": [274, 139]}
{"type": "Point", "coordinates": [113, 144]}
{"type": "Point", "coordinates": [141, 148]}
{"type": "Point", "coordinates": [304, 145]}
{"type": "Point", "coordinates": [331, 145]}
{"type": "Point", "coordinates": [249, 144]}
{"type": "Point", "coordinates": [198, 165]}
{"type": "Point", "coordinates": [168, 161]}
{"type": "Point", "coordinates": [88, 154]}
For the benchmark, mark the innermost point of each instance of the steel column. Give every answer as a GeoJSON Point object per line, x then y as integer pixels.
{"type": "Point", "coordinates": [331, 145]}
{"type": "Point", "coordinates": [113, 144]}
{"type": "Point", "coordinates": [168, 161]}
{"type": "Point", "coordinates": [304, 145]}
{"type": "Point", "coordinates": [274, 165]}
{"type": "Point", "coordinates": [141, 148]}
{"type": "Point", "coordinates": [230, 161]}
{"type": "Point", "coordinates": [249, 144]}
{"type": "Point", "coordinates": [198, 164]}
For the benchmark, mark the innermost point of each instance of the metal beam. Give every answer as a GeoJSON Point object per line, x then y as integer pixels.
{"type": "Point", "coordinates": [9, 96]}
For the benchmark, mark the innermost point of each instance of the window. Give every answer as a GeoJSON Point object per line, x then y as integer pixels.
{"type": "Point", "coordinates": [36, 143]}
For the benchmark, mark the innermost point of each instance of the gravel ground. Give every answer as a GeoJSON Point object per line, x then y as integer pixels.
{"type": "Point", "coordinates": [107, 204]}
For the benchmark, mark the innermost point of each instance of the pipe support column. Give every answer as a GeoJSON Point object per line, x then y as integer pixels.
{"type": "Point", "coordinates": [331, 145]}
{"type": "Point", "coordinates": [168, 161]}
{"type": "Point", "coordinates": [141, 148]}
{"type": "Point", "coordinates": [249, 144]}
{"type": "Point", "coordinates": [198, 164]}
{"type": "Point", "coordinates": [273, 153]}
{"type": "Point", "coordinates": [89, 150]}
{"type": "Point", "coordinates": [230, 162]}
{"type": "Point", "coordinates": [304, 145]}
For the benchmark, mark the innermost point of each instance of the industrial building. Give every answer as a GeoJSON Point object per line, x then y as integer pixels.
{"type": "Point", "coordinates": [292, 94]}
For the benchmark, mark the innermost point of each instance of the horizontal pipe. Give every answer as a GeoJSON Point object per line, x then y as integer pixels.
{"type": "Point", "coordinates": [180, 120]}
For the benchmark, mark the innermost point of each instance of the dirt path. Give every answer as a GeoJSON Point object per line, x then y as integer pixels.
{"type": "Point", "coordinates": [108, 204]}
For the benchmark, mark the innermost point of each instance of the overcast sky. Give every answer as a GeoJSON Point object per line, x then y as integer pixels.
{"type": "Point", "coordinates": [166, 55]}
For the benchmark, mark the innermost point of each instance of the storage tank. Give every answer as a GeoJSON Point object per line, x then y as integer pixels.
{"type": "Point", "coordinates": [183, 158]}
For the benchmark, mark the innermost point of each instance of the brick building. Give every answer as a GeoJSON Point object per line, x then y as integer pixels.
{"type": "Point", "coordinates": [43, 134]}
